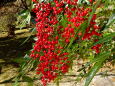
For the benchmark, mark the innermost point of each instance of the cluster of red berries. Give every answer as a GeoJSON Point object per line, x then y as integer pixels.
{"type": "Point", "coordinates": [52, 35]}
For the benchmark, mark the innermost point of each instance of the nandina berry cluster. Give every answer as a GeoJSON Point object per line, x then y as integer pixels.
{"type": "Point", "coordinates": [58, 23]}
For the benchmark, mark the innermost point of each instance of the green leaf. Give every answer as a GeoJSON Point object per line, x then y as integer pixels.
{"type": "Point", "coordinates": [19, 60]}
{"type": "Point", "coordinates": [27, 79]}
{"type": "Point", "coordinates": [92, 73]}
{"type": "Point", "coordinates": [87, 1]}
{"type": "Point", "coordinates": [96, 67]}
{"type": "Point", "coordinates": [110, 21]}
{"type": "Point", "coordinates": [23, 18]}
{"type": "Point", "coordinates": [86, 65]}
{"type": "Point", "coordinates": [33, 30]}
{"type": "Point", "coordinates": [83, 27]}
{"type": "Point", "coordinates": [83, 1]}
{"type": "Point", "coordinates": [63, 21]}
{"type": "Point", "coordinates": [57, 80]}
{"type": "Point", "coordinates": [93, 11]}
{"type": "Point", "coordinates": [35, 38]}
{"type": "Point", "coordinates": [35, 63]}
{"type": "Point", "coordinates": [28, 18]}
{"type": "Point", "coordinates": [105, 39]}
{"type": "Point", "coordinates": [30, 83]}
{"type": "Point", "coordinates": [79, 1]}
{"type": "Point", "coordinates": [16, 82]}
{"type": "Point", "coordinates": [22, 12]}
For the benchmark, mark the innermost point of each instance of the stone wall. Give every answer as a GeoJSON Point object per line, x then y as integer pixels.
{"type": "Point", "coordinates": [8, 11]}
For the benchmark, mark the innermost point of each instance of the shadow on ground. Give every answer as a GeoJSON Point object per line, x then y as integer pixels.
{"type": "Point", "coordinates": [10, 47]}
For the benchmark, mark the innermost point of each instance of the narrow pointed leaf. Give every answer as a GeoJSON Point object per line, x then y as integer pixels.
{"type": "Point", "coordinates": [105, 39]}
{"type": "Point", "coordinates": [93, 11]}
{"type": "Point", "coordinates": [28, 37]}
{"type": "Point", "coordinates": [96, 67]}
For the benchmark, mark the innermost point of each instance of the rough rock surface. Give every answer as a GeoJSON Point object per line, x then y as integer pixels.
{"type": "Point", "coordinates": [69, 79]}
